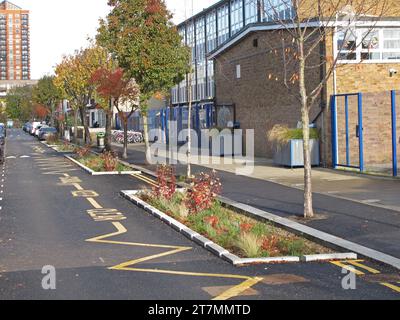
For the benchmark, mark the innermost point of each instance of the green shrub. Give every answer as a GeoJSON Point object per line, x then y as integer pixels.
{"type": "Point", "coordinates": [282, 134]}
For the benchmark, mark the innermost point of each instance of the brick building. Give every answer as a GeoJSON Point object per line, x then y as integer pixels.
{"type": "Point", "coordinates": [238, 73]}
{"type": "Point", "coordinates": [14, 42]}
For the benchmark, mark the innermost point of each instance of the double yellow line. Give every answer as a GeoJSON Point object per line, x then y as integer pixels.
{"type": "Point", "coordinates": [145, 179]}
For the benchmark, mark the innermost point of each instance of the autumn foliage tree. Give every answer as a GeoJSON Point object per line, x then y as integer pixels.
{"type": "Point", "coordinates": [73, 78]}
{"type": "Point", "coordinates": [40, 111]}
{"type": "Point", "coordinates": [48, 95]}
{"type": "Point", "coordinates": [145, 42]}
{"type": "Point", "coordinates": [115, 86]}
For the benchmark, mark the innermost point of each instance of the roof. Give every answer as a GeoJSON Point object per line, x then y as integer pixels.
{"type": "Point", "coordinates": [7, 5]}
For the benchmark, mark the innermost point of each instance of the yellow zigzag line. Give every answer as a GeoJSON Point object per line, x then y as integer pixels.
{"type": "Point", "coordinates": [128, 266]}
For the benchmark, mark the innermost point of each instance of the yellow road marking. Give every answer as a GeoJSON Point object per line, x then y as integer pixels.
{"type": "Point", "coordinates": [237, 290]}
{"type": "Point", "coordinates": [347, 267]}
{"type": "Point", "coordinates": [355, 263]}
{"type": "Point", "coordinates": [127, 266]}
{"type": "Point", "coordinates": [77, 186]}
{"type": "Point", "coordinates": [144, 179]}
{"type": "Point", "coordinates": [362, 266]}
{"type": "Point", "coordinates": [391, 286]}
{"type": "Point", "coordinates": [94, 203]}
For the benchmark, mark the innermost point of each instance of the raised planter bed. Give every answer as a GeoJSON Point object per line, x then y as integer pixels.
{"type": "Point", "coordinates": [101, 173]}
{"type": "Point", "coordinates": [291, 153]}
{"type": "Point", "coordinates": [58, 147]}
{"type": "Point", "coordinates": [229, 255]}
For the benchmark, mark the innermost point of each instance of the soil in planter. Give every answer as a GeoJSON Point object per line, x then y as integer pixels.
{"type": "Point", "coordinates": [241, 235]}
{"type": "Point", "coordinates": [96, 163]}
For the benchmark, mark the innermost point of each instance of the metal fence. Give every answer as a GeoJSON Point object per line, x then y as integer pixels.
{"type": "Point", "coordinates": [364, 131]}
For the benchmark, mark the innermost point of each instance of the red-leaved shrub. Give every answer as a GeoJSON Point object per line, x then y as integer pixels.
{"type": "Point", "coordinates": [82, 152]}
{"type": "Point", "coordinates": [166, 182]}
{"type": "Point", "coordinates": [110, 161]}
{"type": "Point", "coordinates": [205, 189]}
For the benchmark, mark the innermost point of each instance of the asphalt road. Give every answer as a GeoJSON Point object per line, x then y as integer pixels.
{"type": "Point", "coordinates": [44, 221]}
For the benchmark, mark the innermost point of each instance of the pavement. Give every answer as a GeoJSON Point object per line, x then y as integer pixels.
{"type": "Point", "coordinates": [54, 214]}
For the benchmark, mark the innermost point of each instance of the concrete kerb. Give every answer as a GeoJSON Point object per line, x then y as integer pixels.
{"type": "Point", "coordinates": [314, 234]}
{"type": "Point", "coordinates": [132, 196]}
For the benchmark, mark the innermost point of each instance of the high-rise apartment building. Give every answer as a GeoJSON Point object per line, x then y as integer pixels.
{"type": "Point", "coordinates": [14, 42]}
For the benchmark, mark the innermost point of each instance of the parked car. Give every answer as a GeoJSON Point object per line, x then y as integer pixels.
{"type": "Point", "coordinates": [36, 134]}
{"type": "Point", "coordinates": [46, 132]}
{"type": "Point", "coordinates": [29, 127]}
{"type": "Point", "coordinates": [2, 142]}
{"type": "Point", "coordinates": [25, 127]}
{"type": "Point", "coordinates": [35, 124]}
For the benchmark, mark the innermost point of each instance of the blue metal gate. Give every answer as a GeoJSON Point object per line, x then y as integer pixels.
{"type": "Point", "coordinates": [336, 144]}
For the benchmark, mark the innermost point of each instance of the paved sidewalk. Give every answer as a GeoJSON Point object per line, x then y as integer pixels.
{"type": "Point", "coordinates": [362, 219]}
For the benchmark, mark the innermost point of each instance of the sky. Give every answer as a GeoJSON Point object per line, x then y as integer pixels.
{"type": "Point", "coordinates": [60, 27]}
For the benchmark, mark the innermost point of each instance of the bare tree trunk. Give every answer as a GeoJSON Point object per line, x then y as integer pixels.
{"type": "Point", "coordinates": [308, 197]}
{"type": "Point", "coordinates": [189, 148]}
{"type": "Point", "coordinates": [146, 137]}
{"type": "Point", "coordinates": [75, 127]}
{"type": "Point", "coordinates": [88, 139]}
{"type": "Point", "coordinates": [125, 152]}
{"type": "Point", "coordinates": [108, 138]}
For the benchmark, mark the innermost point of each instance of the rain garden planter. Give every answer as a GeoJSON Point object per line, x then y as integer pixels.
{"type": "Point", "coordinates": [231, 234]}
{"type": "Point", "coordinates": [96, 171]}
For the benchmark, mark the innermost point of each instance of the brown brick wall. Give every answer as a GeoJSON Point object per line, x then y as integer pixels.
{"type": "Point", "coordinates": [375, 82]}
{"type": "Point", "coordinates": [377, 129]}
{"type": "Point", "coordinates": [387, 8]}
{"type": "Point", "coordinates": [260, 97]}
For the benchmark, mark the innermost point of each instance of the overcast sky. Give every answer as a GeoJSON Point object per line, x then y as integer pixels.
{"type": "Point", "coordinates": [60, 26]}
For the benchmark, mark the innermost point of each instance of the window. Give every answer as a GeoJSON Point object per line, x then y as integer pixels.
{"type": "Point", "coordinates": [190, 40]}
{"type": "Point", "coordinates": [211, 25]}
{"type": "Point", "coordinates": [200, 40]}
{"type": "Point", "coordinates": [278, 10]}
{"type": "Point", "coordinates": [251, 14]}
{"type": "Point", "coordinates": [356, 45]}
{"type": "Point", "coordinates": [210, 80]}
{"type": "Point", "coordinates": [238, 71]}
{"type": "Point", "coordinates": [182, 33]}
{"type": "Point", "coordinates": [223, 24]}
{"type": "Point", "coordinates": [183, 91]}
{"type": "Point", "coordinates": [236, 16]}
{"type": "Point", "coordinates": [201, 80]}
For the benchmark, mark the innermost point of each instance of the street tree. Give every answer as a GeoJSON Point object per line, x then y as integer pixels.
{"type": "Point", "coordinates": [47, 94]}
{"type": "Point", "coordinates": [303, 35]}
{"type": "Point", "coordinates": [73, 78]}
{"type": "Point", "coordinates": [115, 85]}
{"type": "Point", "coordinates": [19, 104]}
{"type": "Point", "coordinates": [145, 42]}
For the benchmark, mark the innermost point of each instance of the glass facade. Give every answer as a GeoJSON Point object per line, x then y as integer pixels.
{"type": "Point", "coordinates": [212, 28]}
